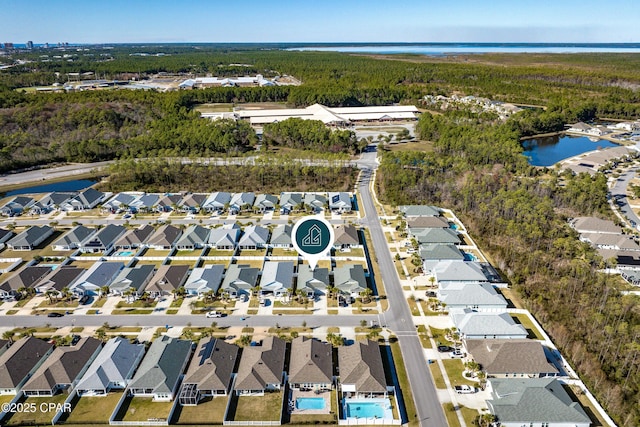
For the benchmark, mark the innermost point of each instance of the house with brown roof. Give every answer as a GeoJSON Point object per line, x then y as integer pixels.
{"type": "Point", "coordinates": [20, 361]}
{"type": "Point", "coordinates": [26, 278]}
{"type": "Point", "coordinates": [261, 368]}
{"type": "Point", "coordinates": [210, 372]}
{"type": "Point", "coordinates": [167, 279]}
{"type": "Point", "coordinates": [58, 279]}
{"type": "Point", "coordinates": [63, 368]}
{"type": "Point", "coordinates": [134, 238]}
{"type": "Point", "coordinates": [165, 237]}
{"type": "Point", "coordinates": [311, 364]}
{"type": "Point", "coordinates": [361, 370]}
{"type": "Point", "coordinates": [346, 237]}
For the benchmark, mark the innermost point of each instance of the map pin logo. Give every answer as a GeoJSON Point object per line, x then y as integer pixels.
{"type": "Point", "coordinates": [312, 237]}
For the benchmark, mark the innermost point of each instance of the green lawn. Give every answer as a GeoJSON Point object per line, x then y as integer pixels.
{"type": "Point", "coordinates": [191, 262]}
{"type": "Point", "coordinates": [218, 252]}
{"type": "Point", "coordinates": [454, 369]}
{"type": "Point", "coordinates": [194, 253]}
{"type": "Point", "coordinates": [156, 253]}
{"type": "Point", "coordinates": [208, 411]}
{"type": "Point", "coordinates": [403, 385]}
{"type": "Point", "coordinates": [137, 304]}
{"type": "Point", "coordinates": [450, 413]}
{"type": "Point", "coordinates": [38, 416]}
{"type": "Point", "coordinates": [292, 311]}
{"type": "Point", "coordinates": [257, 408]}
{"type": "Point", "coordinates": [132, 311]}
{"type": "Point", "coordinates": [143, 408]}
{"type": "Point", "coordinates": [524, 320]}
{"type": "Point", "coordinates": [259, 252]}
{"type": "Point", "coordinates": [439, 336]}
{"type": "Point", "coordinates": [92, 410]}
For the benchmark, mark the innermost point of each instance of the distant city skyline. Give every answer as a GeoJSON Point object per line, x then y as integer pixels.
{"type": "Point", "coordinates": [161, 21]}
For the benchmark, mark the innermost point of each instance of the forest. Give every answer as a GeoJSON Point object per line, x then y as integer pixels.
{"type": "Point", "coordinates": [311, 135]}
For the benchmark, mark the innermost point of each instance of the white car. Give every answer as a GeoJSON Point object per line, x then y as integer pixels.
{"type": "Point", "coordinates": [465, 389]}
{"type": "Point", "coordinates": [214, 314]}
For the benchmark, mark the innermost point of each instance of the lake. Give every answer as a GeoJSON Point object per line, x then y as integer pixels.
{"type": "Point", "coordinates": [550, 150]}
{"type": "Point", "coordinates": [74, 185]}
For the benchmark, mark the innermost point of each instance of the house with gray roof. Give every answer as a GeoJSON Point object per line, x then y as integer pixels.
{"type": "Point", "coordinates": [120, 202]}
{"type": "Point", "coordinates": [261, 367]}
{"type": "Point", "coordinates": [225, 237]}
{"type": "Point", "coordinates": [450, 271]}
{"type": "Point", "coordinates": [474, 325]}
{"type": "Point", "coordinates": [85, 200]}
{"type": "Point", "coordinates": [17, 206]}
{"type": "Point", "coordinates": [350, 279]}
{"type": "Point", "coordinates": [103, 239]}
{"type": "Point", "coordinates": [241, 202]}
{"type": "Point", "coordinates": [426, 236]}
{"type": "Point", "coordinates": [477, 296]}
{"type": "Point", "coordinates": [317, 202]}
{"type": "Point", "coordinates": [511, 358]}
{"type": "Point", "coordinates": [54, 201]}
{"type": "Point", "coordinates": [131, 281]}
{"type": "Point", "coordinates": [164, 237]}
{"type": "Point", "coordinates": [194, 237]}
{"type": "Point", "coordinates": [534, 401]}
{"type": "Point", "coordinates": [210, 372]}
{"type": "Point", "coordinates": [590, 224]}
{"type": "Point", "coordinates": [204, 279]}
{"type": "Point", "coordinates": [20, 361]}
{"type": "Point", "coordinates": [312, 282]}
{"type": "Point", "coordinates": [25, 278]}
{"type": "Point", "coordinates": [281, 237]}
{"type": "Point", "coordinates": [100, 274]}
{"type": "Point", "coordinates": [277, 278]}
{"type": "Point", "coordinates": [340, 202]}
{"type": "Point", "coordinates": [290, 202]}
{"type": "Point", "coordinates": [5, 235]}
{"type": "Point", "coordinates": [145, 203]}
{"type": "Point", "coordinates": [167, 279]}
{"type": "Point", "coordinates": [167, 202]}
{"type": "Point", "coordinates": [265, 203]}
{"type": "Point", "coordinates": [433, 253]}
{"type": "Point", "coordinates": [62, 277]}
{"type": "Point", "coordinates": [311, 364]}
{"type": "Point", "coordinates": [63, 368]}
{"type": "Point", "coordinates": [30, 238]}
{"type": "Point", "coordinates": [361, 370]}
{"type": "Point", "coordinates": [161, 369]}
{"type": "Point", "coordinates": [254, 237]}
{"type": "Point", "coordinates": [72, 239]}
{"type": "Point", "coordinates": [135, 237]}
{"type": "Point", "coordinates": [239, 280]}
{"type": "Point", "coordinates": [427, 222]}
{"type": "Point", "coordinates": [412, 211]}
{"type": "Point", "coordinates": [346, 237]}
{"type": "Point", "coordinates": [192, 202]}
{"type": "Point", "coordinates": [217, 202]}
{"type": "Point", "coordinates": [618, 242]}
{"type": "Point", "coordinates": [112, 369]}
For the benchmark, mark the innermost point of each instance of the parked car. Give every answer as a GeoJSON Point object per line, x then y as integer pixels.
{"type": "Point", "coordinates": [75, 339]}
{"type": "Point", "coordinates": [85, 299]}
{"type": "Point", "coordinates": [214, 314]}
{"type": "Point", "coordinates": [464, 389]}
{"type": "Point", "coordinates": [55, 314]}
{"type": "Point", "coordinates": [444, 348]}
{"type": "Point", "coordinates": [457, 354]}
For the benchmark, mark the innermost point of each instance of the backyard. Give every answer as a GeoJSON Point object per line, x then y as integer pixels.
{"type": "Point", "coordinates": [256, 408]}
{"type": "Point", "coordinates": [90, 410]}
{"type": "Point", "coordinates": [208, 411]}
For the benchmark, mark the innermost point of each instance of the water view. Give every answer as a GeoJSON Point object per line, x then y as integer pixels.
{"type": "Point", "coordinates": [550, 150]}
{"type": "Point", "coordinates": [74, 185]}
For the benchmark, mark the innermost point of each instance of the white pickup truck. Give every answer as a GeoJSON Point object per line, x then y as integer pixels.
{"type": "Point", "coordinates": [464, 389]}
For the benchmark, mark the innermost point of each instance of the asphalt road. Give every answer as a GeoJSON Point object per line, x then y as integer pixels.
{"type": "Point", "coordinates": [398, 317]}
{"type": "Point", "coordinates": [619, 190]}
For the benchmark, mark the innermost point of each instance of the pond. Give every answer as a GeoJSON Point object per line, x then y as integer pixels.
{"type": "Point", "coordinates": [549, 150]}
{"type": "Point", "coordinates": [73, 185]}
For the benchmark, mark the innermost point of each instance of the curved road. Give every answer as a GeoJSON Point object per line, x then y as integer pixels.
{"type": "Point", "coordinates": [619, 192]}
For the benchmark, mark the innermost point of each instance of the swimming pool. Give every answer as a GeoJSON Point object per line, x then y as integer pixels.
{"type": "Point", "coordinates": [374, 408]}
{"type": "Point", "coordinates": [125, 253]}
{"type": "Point", "coordinates": [310, 403]}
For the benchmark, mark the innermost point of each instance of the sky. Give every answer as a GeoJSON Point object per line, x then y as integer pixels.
{"type": "Point", "coordinates": [217, 21]}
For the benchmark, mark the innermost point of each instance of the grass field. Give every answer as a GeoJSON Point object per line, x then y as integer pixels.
{"type": "Point", "coordinates": [142, 409]}
{"type": "Point", "coordinates": [256, 408]}
{"type": "Point", "coordinates": [208, 411]}
{"type": "Point", "coordinates": [38, 416]}
{"type": "Point", "coordinates": [454, 369]}
{"type": "Point", "coordinates": [91, 410]}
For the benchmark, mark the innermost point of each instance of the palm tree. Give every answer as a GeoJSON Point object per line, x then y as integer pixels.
{"type": "Point", "coordinates": [50, 294]}
{"type": "Point", "coordinates": [104, 291]}
{"type": "Point", "coordinates": [366, 295]}
{"type": "Point", "coordinates": [22, 291]}
{"type": "Point", "coordinates": [66, 293]}
{"type": "Point", "coordinates": [331, 291]}
{"type": "Point", "coordinates": [8, 335]}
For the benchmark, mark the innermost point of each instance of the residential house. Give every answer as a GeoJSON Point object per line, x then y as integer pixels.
{"type": "Point", "coordinates": [131, 281]}
{"type": "Point", "coordinates": [72, 239]}
{"type": "Point", "coordinates": [4, 345]}
{"type": "Point", "coordinates": [311, 364]}
{"type": "Point", "coordinates": [277, 278]}
{"type": "Point", "coordinates": [5, 235]}
{"type": "Point", "coordinates": [112, 369]}
{"type": "Point", "coordinates": [134, 238]}
{"type": "Point", "coordinates": [589, 224]}
{"type": "Point", "coordinates": [312, 282]}
{"type": "Point", "coordinates": [53, 201]}
{"type": "Point", "coordinates": [340, 202]}
{"type": "Point", "coordinates": [239, 280]}
{"type": "Point", "coordinates": [476, 296]}
{"type": "Point", "coordinates": [254, 237]}
{"type": "Point", "coordinates": [30, 238]}
{"type": "Point", "coordinates": [455, 271]}
{"type": "Point", "coordinates": [427, 236]}
{"type": "Point", "coordinates": [63, 368]}
{"type": "Point", "coordinates": [317, 202]}
{"type": "Point", "coordinates": [580, 127]}
{"type": "Point", "coordinates": [350, 280]}
{"type": "Point", "coordinates": [261, 367]}
{"type": "Point", "coordinates": [346, 237]}
{"type": "Point", "coordinates": [511, 358]}
{"type": "Point", "coordinates": [290, 202]}
{"type": "Point", "coordinates": [427, 222]}
{"type": "Point", "coordinates": [192, 202]}
{"type": "Point", "coordinates": [59, 279]}
{"type": "Point", "coordinates": [225, 237]}
{"type": "Point", "coordinates": [265, 203]}
{"type": "Point", "coordinates": [20, 361]}
{"type": "Point", "coordinates": [161, 369]}
{"type": "Point", "coordinates": [102, 240]}
{"type": "Point", "coordinates": [241, 202]}
{"type": "Point", "coordinates": [361, 370]}
{"type": "Point", "coordinates": [17, 206]}
{"type": "Point", "coordinates": [167, 202]}
{"type": "Point", "coordinates": [413, 211]}
{"type": "Point", "coordinates": [145, 203]}
{"type": "Point", "coordinates": [432, 254]}
{"type": "Point", "coordinates": [120, 202]}
{"type": "Point", "coordinates": [165, 237]}
{"type": "Point", "coordinates": [281, 237]}
{"type": "Point", "coordinates": [167, 279]}
{"type": "Point", "coordinates": [25, 278]}
{"type": "Point", "coordinates": [217, 202]}
{"type": "Point", "coordinates": [204, 279]}
{"type": "Point", "coordinates": [99, 275]}
{"type": "Point", "coordinates": [210, 372]}
{"type": "Point", "coordinates": [474, 325]}
{"type": "Point", "coordinates": [618, 242]}
{"type": "Point", "coordinates": [534, 402]}
{"type": "Point", "coordinates": [85, 200]}
{"type": "Point", "coordinates": [194, 237]}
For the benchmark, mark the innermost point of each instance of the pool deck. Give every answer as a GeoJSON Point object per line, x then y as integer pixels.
{"type": "Point", "coordinates": [295, 394]}
{"type": "Point", "coordinates": [384, 403]}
